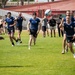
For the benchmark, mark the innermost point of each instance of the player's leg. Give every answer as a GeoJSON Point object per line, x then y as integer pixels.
{"type": "Point", "coordinates": [19, 33]}
{"type": "Point", "coordinates": [10, 37]}
{"type": "Point", "coordinates": [44, 31]}
{"type": "Point", "coordinates": [30, 41]}
{"type": "Point", "coordinates": [64, 44]}
{"type": "Point", "coordinates": [51, 31]}
{"type": "Point", "coordinates": [47, 30]}
{"type": "Point", "coordinates": [54, 33]}
{"type": "Point", "coordinates": [71, 48]}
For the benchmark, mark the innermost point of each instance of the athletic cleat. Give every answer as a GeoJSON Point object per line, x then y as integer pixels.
{"type": "Point", "coordinates": [29, 47]}
{"type": "Point", "coordinates": [74, 44]}
{"type": "Point", "coordinates": [13, 45]}
{"type": "Point", "coordinates": [66, 50]}
{"type": "Point", "coordinates": [20, 41]}
{"type": "Point", "coordinates": [74, 55]}
{"type": "Point", "coordinates": [63, 52]}
{"type": "Point", "coordinates": [17, 43]}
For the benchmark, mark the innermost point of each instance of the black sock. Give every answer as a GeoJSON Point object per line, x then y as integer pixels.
{"type": "Point", "coordinates": [13, 43]}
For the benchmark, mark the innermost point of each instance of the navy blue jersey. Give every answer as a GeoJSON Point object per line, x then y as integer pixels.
{"type": "Point", "coordinates": [69, 29]}
{"type": "Point", "coordinates": [9, 21]}
{"type": "Point", "coordinates": [19, 21]}
{"type": "Point", "coordinates": [34, 23]}
{"type": "Point", "coordinates": [72, 19]}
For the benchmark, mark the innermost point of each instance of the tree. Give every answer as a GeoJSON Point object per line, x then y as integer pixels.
{"type": "Point", "coordinates": [28, 1]}
{"type": "Point", "coordinates": [22, 2]}
{"type": "Point", "coordinates": [4, 3]}
{"type": "Point", "coordinates": [52, 0]}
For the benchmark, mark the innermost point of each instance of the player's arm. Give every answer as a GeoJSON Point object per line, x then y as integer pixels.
{"type": "Point", "coordinates": [24, 18]}
{"type": "Point", "coordinates": [13, 23]}
{"type": "Point", "coordinates": [4, 23]}
{"type": "Point", "coordinates": [28, 26]}
{"type": "Point", "coordinates": [61, 24]}
{"type": "Point", "coordinates": [39, 27]}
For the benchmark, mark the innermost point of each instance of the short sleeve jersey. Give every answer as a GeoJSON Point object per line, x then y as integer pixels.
{"type": "Point", "coordinates": [34, 23]}
{"type": "Point", "coordinates": [9, 21]}
{"type": "Point", "coordinates": [19, 21]}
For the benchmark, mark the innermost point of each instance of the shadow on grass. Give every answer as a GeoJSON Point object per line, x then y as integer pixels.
{"type": "Point", "coordinates": [15, 66]}
{"type": "Point", "coordinates": [22, 45]}
{"type": "Point", "coordinates": [11, 66]}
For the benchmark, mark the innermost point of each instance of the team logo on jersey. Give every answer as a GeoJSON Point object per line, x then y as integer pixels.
{"type": "Point", "coordinates": [71, 26]}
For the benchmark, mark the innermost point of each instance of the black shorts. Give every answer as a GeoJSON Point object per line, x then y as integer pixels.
{"type": "Point", "coordinates": [11, 30]}
{"type": "Point", "coordinates": [44, 28]}
{"type": "Point", "coordinates": [1, 26]}
{"type": "Point", "coordinates": [70, 39]}
{"type": "Point", "coordinates": [33, 32]}
{"type": "Point", "coordinates": [19, 28]}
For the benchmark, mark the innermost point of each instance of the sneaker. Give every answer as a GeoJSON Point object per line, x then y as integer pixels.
{"type": "Point", "coordinates": [29, 47]}
{"type": "Point", "coordinates": [13, 45]}
{"type": "Point", "coordinates": [63, 52]}
{"type": "Point", "coordinates": [20, 41]}
{"type": "Point", "coordinates": [74, 44]}
{"type": "Point", "coordinates": [17, 43]}
{"type": "Point", "coordinates": [74, 55]}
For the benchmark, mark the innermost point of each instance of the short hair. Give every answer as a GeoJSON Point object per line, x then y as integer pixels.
{"type": "Point", "coordinates": [9, 13]}
{"type": "Point", "coordinates": [34, 13]}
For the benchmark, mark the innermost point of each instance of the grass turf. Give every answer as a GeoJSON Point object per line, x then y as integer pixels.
{"type": "Point", "coordinates": [44, 58]}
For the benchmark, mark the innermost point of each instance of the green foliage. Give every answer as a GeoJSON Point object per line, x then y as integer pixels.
{"type": "Point", "coordinates": [44, 58]}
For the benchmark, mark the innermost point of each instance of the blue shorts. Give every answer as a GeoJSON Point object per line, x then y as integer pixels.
{"type": "Point", "coordinates": [33, 32]}
{"type": "Point", "coordinates": [19, 28]}
{"type": "Point", "coordinates": [11, 30]}
{"type": "Point", "coordinates": [43, 28]}
{"type": "Point", "coordinates": [70, 39]}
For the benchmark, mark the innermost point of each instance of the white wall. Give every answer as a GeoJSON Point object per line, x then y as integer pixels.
{"type": "Point", "coordinates": [44, 0]}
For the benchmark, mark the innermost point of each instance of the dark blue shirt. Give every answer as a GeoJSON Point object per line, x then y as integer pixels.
{"type": "Point", "coordinates": [69, 29]}
{"type": "Point", "coordinates": [9, 21]}
{"type": "Point", "coordinates": [72, 19]}
{"type": "Point", "coordinates": [19, 21]}
{"type": "Point", "coordinates": [34, 23]}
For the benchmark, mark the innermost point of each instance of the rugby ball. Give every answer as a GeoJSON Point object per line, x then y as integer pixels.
{"type": "Point", "coordinates": [48, 12]}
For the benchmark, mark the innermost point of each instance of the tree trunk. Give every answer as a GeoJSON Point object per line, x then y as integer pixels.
{"type": "Point", "coordinates": [52, 0]}
{"type": "Point", "coordinates": [22, 2]}
{"type": "Point", "coordinates": [4, 3]}
{"type": "Point", "coordinates": [48, 0]}
{"type": "Point", "coordinates": [28, 2]}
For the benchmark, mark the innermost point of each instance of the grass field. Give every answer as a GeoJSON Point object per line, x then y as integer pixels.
{"type": "Point", "coordinates": [44, 58]}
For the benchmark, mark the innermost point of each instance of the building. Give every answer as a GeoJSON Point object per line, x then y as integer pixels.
{"type": "Point", "coordinates": [45, 0]}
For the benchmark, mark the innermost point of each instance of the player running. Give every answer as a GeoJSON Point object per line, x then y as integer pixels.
{"type": "Point", "coordinates": [69, 27]}
{"type": "Point", "coordinates": [10, 26]}
{"type": "Point", "coordinates": [19, 20]}
{"type": "Point", "coordinates": [33, 27]}
{"type": "Point", "coordinates": [65, 47]}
